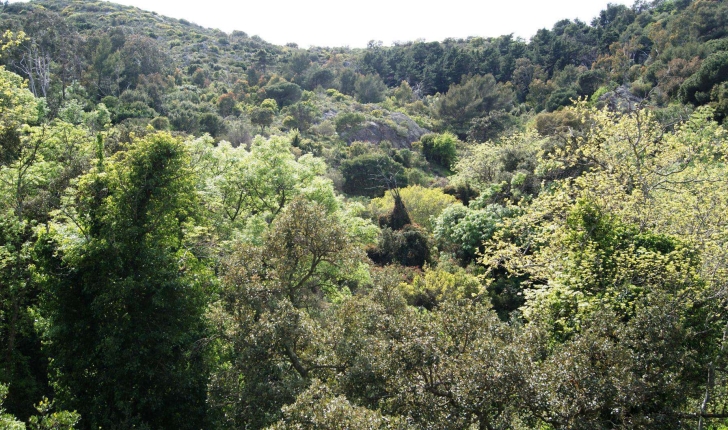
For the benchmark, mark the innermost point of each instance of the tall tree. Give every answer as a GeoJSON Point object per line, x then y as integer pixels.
{"type": "Point", "coordinates": [124, 297]}
{"type": "Point", "coordinates": [473, 98]}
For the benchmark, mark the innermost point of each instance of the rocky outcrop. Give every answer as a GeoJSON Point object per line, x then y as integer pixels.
{"type": "Point", "coordinates": [397, 128]}
{"type": "Point", "coordinates": [620, 99]}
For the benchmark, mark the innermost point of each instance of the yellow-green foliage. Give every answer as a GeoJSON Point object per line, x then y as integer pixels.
{"type": "Point", "coordinates": [423, 204]}
{"type": "Point", "coordinates": [436, 286]}
{"type": "Point", "coordinates": [269, 104]}
{"type": "Point", "coordinates": [483, 164]}
{"type": "Point", "coordinates": [46, 157]}
{"type": "Point", "coordinates": [609, 236]}
{"type": "Point", "coordinates": [17, 105]}
{"type": "Point", "coordinates": [10, 40]}
{"type": "Point", "coordinates": [336, 95]}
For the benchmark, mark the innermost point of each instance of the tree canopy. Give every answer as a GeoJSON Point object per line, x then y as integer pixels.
{"type": "Point", "coordinates": [202, 230]}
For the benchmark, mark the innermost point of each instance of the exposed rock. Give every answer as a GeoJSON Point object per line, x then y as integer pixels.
{"type": "Point", "coordinates": [397, 128]}
{"type": "Point", "coordinates": [621, 100]}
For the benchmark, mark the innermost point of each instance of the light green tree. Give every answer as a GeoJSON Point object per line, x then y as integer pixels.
{"type": "Point", "coordinates": [7, 421]}
{"type": "Point", "coordinates": [246, 189]}
{"type": "Point", "coordinates": [36, 165]}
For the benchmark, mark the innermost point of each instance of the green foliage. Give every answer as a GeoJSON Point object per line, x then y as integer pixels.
{"type": "Point", "coordinates": [7, 421]}
{"type": "Point", "coordinates": [269, 104]}
{"type": "Point", "coordinates": [303, 113]}
{"type": "Point", "coordinates": [270, 298]}
{"type": "Point", "coordinates": [497, 163]}
{"type": "Point", "coordinates": [614, 265]}
{"type": "Point", "coordinates": [491, 126]}
{"type": "Point", "coordinates": [48, 420]}
{"type": "Point", "coordinates": [476, 96]}
{"type": "Point", "coordinates": [130, 293]}
{"type": "Point", "coordinates": [244, 189]}
{"type": "Point", "coordinates": [440, 148]}
{"type": "Point", "coordinates": [713, 70]}
{"type": "Point", "coordinates": [31, 184]}
{"type": "Point", "coordinates": [347, 82]}
{"type": "Point", "coordinates": [348, 121]}
{"type": "Point", "coordinates": [706, 84]}
{"type": "Point", "coordinates": [462, 230]}
{"type": "Point", "coordinates": [319, 77]}
{"type": "Point", "coordinates": [561, 97]}
{"type": "Point", "coordinates": [410, 362]}
{"type": "Point", "coordinates": [423, 204]}
{"type": "Point", "coordinates": [589, 81]}
{"type": "Point", "coordinates": [409, 246]}
{"type": "Point", "coordinates": [226, 104]}
{"type": "Point", "coordinates": [284, 93]}
{"type": "Point", "coordinates": [370, 89]}
{"type": "Point", "coordinates": [318, 407]}
{"type": "Point", "coordinates": [436, 287]}
{"type": "Point", "coordinates": [262, 116]}
{"type": "Point", "coordinates": [160, 123]}
{"type": "Point", "coordinates": [151, 283]}
{"type": "Point", "coordinates": [399, 216]}
{"type": "Point", "coordinates": [371, 175]}
{"type": "Point", "coordinates": [403, 94]}
{"type": "Point", "coordinates": [16, 103]}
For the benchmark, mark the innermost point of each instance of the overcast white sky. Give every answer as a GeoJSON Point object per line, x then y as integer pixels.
{"type": "Point", "coordinates": [344, 23]}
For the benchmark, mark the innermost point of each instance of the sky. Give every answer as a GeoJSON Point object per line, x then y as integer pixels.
{"type": "Point", "coordinates": [341, 23]}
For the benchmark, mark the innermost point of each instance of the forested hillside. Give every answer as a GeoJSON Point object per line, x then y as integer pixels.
{"type": "Point", "coordinates": [201, 230]}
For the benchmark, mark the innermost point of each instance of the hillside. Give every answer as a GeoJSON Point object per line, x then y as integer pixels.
{"type": "Point", "coordinates": [205, 230]}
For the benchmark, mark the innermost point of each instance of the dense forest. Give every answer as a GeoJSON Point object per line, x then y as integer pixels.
{"type": "Point", "coordinates": [202, 230]}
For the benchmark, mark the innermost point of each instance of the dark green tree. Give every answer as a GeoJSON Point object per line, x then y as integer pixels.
{"type": "Point", "coordinates": [561, 97]}
{"type": "Point", "coordinates": [211, 123]}
{"type": "Point", "coordinates": [124, 293]}
{"type": "Point", "coordinates": [284, 93]}
{"type": "Point", "coordinates": [304, 114]}
{"type": "Point", "coordinates": [349, 121]}
{"type": "Point", "coordinates": [262, 116]}
{"type": "Point", "coordinates": [371, 175]}
{"type": "Point", "coordinates": [696, 89]}
{"type": "Point", "coordinates": [347, 82]}
{"type": "Point", "coordinates": [299, 63]}
{"type": "Point", "coordinates": [370, 89]}
{"type": "Point", "coordinates": [318, 76]}
{"type": "Point", "coordinates": [475, 97]}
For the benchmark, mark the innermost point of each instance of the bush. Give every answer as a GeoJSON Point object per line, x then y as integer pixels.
{"type": "Point", "coordinates": [440, 148]}
{"type": "Point", "coordinates": [408, 247]}
{"type": "Point", "coordinates": [560, 97]}
{"type": "Point", "coordinates": [370, 89]}
{"type": "Point", "coordinates": [160, 123]}
{"type": "Point", "coordinates": [348, 121]}
{"type": "Point", "coordinates": [284, 93]}
{"type": "Point", "coordinates": [371, 174]}
{"type": "Point", "coordinates": [423, 204]}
